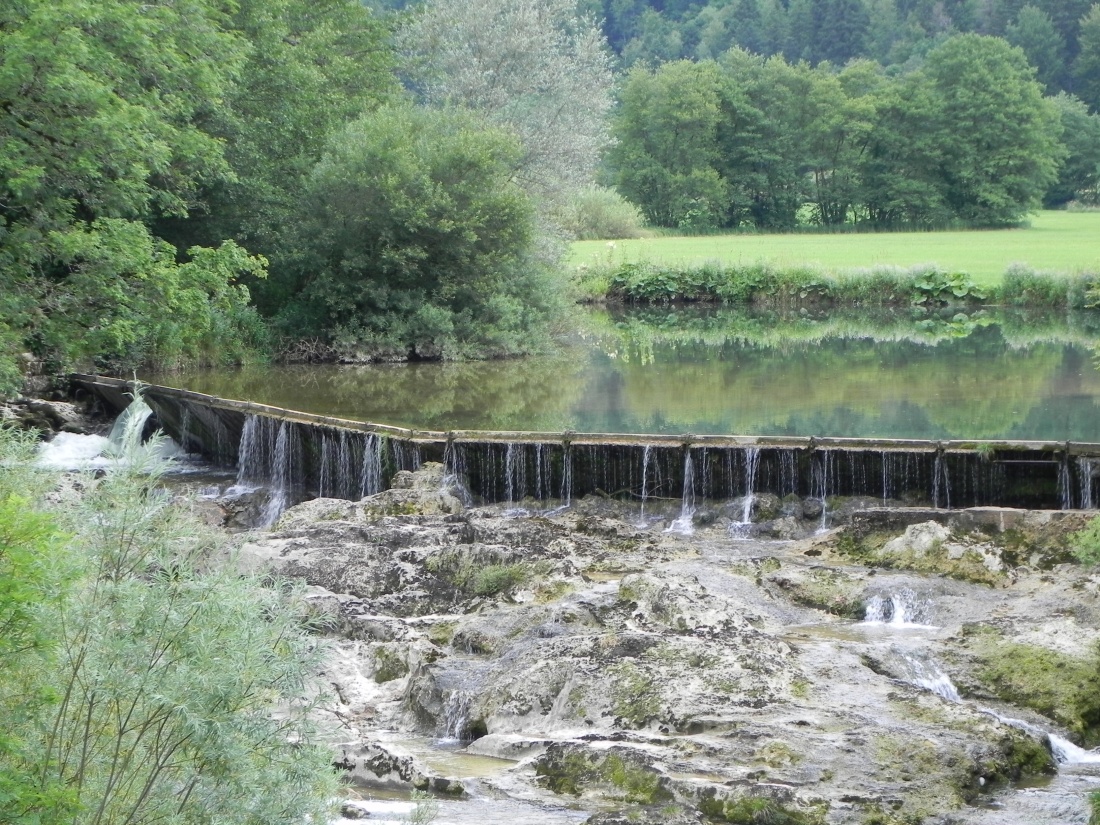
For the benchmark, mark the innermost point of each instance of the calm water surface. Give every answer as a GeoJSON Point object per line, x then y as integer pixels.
{"type": "Point", "coordinates": [723, 372]}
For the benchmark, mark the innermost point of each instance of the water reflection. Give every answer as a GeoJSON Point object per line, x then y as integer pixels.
{"type": "Point", "coordinates": [985, 375]}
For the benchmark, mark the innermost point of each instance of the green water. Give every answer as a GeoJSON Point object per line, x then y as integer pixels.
{"type": "Point", "coordinates": [904, 375]}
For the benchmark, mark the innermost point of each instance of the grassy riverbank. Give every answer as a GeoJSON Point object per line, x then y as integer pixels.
{"type": "Point", "coordinates": [1063, 242]}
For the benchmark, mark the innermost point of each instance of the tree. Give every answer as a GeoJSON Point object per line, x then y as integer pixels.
{"type": "Point", "coordinates": [1079, 177]}
{"type": "Point", "coordinates": [667, 154]}
{"type": "Point", "coordinates": [415, 238]}
{"type": "Point", "coordinates": [532, 66]}
{"type": "Point", "coordinates": [311, 67]}
{"type": "Point", "coordinates": [999, 137]}
{"type": "Point", "coordinates": [102, 114]}
{"type": "Point", "coordinates": [1034, 32]}
{"type": "Point", "coordinates": [1086, 68]}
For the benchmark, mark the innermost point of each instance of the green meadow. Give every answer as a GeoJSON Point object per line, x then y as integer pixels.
{"type": "Point", "coordinates": [1064, 242]}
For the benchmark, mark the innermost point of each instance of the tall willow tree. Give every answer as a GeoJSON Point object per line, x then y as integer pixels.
{"type": "Point", "coordinates": [536, 67]}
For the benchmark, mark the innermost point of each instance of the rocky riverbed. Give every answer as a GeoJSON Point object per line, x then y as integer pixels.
{"type": "Point", "coordinates": [580, 665]}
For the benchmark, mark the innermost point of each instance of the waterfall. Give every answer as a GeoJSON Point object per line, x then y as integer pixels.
{"type": "Point", "coordinates": [406, 455]}
{"type": "Point", "coordinates": [286, 470]}
{"type": "Point", "coordinates": [901, 609]}
{"type": "Point", "coordinates": [126, 432]}
{"type": "Point", "coordinates": [647, 455]}
{"type": "Point", "coordinates": [567, 475]}
{"type": "Point", "coordinates": [683, 523]}
{"type": "Point", "coordinates": [370, 477]}
{"type": "Point", "coordinates": [515, 473]}
{"type": "Point", "coordinates": [327, 482]}
{"type": "Point", "coordinates": [254, 456]}
{"type": "Point", "coordinates": [740, 529]}
{"type": "Point", "coordinates": [822, 477]}
{"type": "Point", "coordinates": [454, 724]}
{"type": "Point", "coordinates": [1065, 484]}
{"type": "Point", "coordinates": [925, 673]}
{"type": "Point", "coordinates": [941, 486]}
{"type": "Point", "coordinates": [1084, 472]}
{"type": "Point", "coordinates": [543, 488]}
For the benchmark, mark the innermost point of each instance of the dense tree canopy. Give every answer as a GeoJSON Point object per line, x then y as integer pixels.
{"type": "Point", "coordinates": [749, 141]}
{"type": "Point", "coordinates": [413, 237]}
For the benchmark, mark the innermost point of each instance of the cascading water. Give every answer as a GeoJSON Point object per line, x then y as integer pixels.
{"type": "Point", "coordinates": [370, 477]}
{"type": "Point", "coordinates": [925, 673]}
{"type": "Point", "coordinates": [455, 721]}
{"type": "Point", "coordinates": [683, 524]}
{"type": "Point", "coordinates": [821, 480]}
{"type": "Point", "coordinates": [567, 476]}
{"type": "Point", "coordinates": [1084, 473]}
{"type": "Point", "coordinates": [740, 529]}
{"type": "Point", "coordinates": [920, 670]}
{"type": "Point", "coordinates": [286, 471]}
{"type": "Point", "coordinates": [941, 485]}
{"type": "Point", "coordinates": [647, 455]}
{"type": "Point", "coordinates": [899, 610]}
{"type": "Point", "coordinates": [1065, 484]}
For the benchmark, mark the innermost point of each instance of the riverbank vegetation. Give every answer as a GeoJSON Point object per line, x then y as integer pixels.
{"type": "Point", "coordinates": [210, 184]}
{"type": "Point", "coordinates": [138, 670]}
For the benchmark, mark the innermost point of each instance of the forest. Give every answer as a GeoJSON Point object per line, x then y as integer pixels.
{"type": "Point", "coordinates": [211, 182]}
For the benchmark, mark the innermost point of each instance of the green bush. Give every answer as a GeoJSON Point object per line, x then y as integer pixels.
{"type": "Point", "coordinates": [162, 672]}
{"type": "Point", "coordinates": [597, 213]}
{"type": "Point", "coordinates": [1086, 543]}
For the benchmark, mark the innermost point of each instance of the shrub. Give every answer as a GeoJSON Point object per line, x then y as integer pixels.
{"type": "Point", "coordinates": [165, 674]}
{"type": "Point", "coordinates": [597, 213]}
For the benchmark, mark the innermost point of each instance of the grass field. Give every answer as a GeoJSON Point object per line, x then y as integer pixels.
{"type": "Point", "coordinates": [1055, 242]}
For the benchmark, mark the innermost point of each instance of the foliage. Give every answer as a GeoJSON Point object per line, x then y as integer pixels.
{"type": "Point", "coordinates": [1079, 177]}
{"type": "Point", "coordinates": [34, 574]}
{"type": "Point", "coordinates": [165, 671]}
{"type": "Point", "coordinates": [537, 68]}
{"type": "Point", "coordinates": [599, 213]}
{"type": "Point", "coordinates": [747, 142]}
{"type": "Point", "coordinates": [1086, 543]}
{"type": "Point", "coordinates": [999, 138]}
{"type": "Point", "coordinates": [103, 129]}
{"type": "Point", "coordinates": [414, 238]}
{"type": "Point", "coordinates": [311, 67]}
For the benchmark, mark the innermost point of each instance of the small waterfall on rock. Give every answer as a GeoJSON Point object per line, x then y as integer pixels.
{"type": "Point", "coordinates": [370, 477]}
{"type": "Point", "coordinates": [923, 672]}
{"type": "Point", "coordinates": [822, 477]}
{"type": "Point", "coordinates": [941, 483]}
{"type": "Point", "coordinates": [901, 609]}
{"type": "Point", "coordinates": [682, 524]}
{"type": "Point", "coordinates": [740, 529]}
{"type": "Point", "coordinates": [647, 455]}
{"type": "Point", "coordinates": [454, 724]}
{"type": "Point", "coordinates": [286, 473]}
{"type": "Point", "coordinates": [1065, 484]}
{"type": "Point", "coordinates": [1084, 472]}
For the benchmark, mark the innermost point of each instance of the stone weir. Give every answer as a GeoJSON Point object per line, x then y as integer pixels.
{"type": "Point", "coordinates": [302, 455]}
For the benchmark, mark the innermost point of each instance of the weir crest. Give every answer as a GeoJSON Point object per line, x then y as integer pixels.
{"type": "Point", "coordinates": [296, 455]}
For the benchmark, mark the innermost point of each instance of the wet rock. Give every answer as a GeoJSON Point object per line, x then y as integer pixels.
{"type": "Point", "coordinates": [373, 765]}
